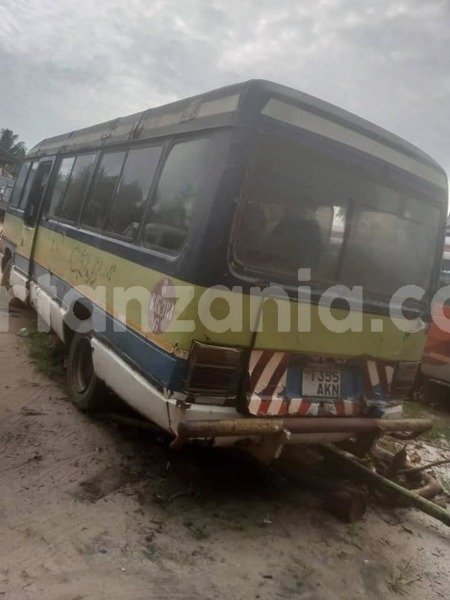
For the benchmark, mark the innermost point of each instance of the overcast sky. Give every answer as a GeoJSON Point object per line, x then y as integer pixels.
{"type": "Point", "coordinates": [70, 63]}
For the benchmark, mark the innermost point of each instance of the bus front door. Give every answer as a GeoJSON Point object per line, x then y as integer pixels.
{"type": "Point", "coordinates": [22, 261]}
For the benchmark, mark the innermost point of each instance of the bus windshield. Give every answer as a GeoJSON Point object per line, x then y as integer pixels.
{"type": "Point", "coordinates": [304, 210]}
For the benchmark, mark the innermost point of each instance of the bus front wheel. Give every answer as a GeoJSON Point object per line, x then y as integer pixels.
{"type": "Point", "coordinates": [85, 390]}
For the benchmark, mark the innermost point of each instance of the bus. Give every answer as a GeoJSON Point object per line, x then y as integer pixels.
{"type": "Point", "coordinates": [433, 381]}
{"type": "Point", "coordinates": [232, 265]}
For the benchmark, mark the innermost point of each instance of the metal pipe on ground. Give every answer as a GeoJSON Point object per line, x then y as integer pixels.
{"type": "Point", "coordinates": [272, 426]}
{"type": "Point", "coordinates": [358, 471]}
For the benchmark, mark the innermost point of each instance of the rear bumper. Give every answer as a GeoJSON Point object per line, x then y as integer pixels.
{"type": "Point", "coordinates": [254, 426]}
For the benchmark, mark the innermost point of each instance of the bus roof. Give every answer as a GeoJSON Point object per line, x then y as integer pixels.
{"type": "Point", "coordinates": [238, 105]}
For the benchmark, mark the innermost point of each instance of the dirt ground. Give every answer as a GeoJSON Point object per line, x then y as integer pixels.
{"type": "Point", "coordinates": [93, 511]}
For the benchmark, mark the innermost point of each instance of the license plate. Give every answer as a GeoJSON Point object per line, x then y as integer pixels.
{"type": "Point", "coordinates": [324, 383]}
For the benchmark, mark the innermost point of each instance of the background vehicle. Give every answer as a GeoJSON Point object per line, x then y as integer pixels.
{"type": "Point", "coordinates": [242, 186]}
{"type": "Point", "coordinates": [435, 365]}
{"type": "Point", "coordinates": [6, 187]}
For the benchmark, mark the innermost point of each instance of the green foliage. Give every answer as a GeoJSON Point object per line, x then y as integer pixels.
{"type": "Point", "coordinates": [47, 352]}
{"type": "Point", "coordinates": [9, 142]}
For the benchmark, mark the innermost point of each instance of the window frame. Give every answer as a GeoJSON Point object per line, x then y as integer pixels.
{"type": "Point", "coordinates": [57, 166]}
{"type": "Point", "coordinates": [135, 240]}
{"type": "Point", "coordinates": [243, 272]}
{"type": "Point", "coordinates": [171, 143]}
{"type": "Point", "coordinates": [60, 158]}
{"type": "Point", "coordinates": [101, 153]}
{"type": "Point", "coordinates": [166, 143]}
{"type": "Point", "coordinates": [32, 219]}
{"type": "Point", "coordinates": [16, 206]}
{"type": "Point", "coordinates": [24, 199]}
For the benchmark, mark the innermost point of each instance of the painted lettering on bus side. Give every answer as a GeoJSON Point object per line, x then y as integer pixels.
{"type": "Point", "coordinates": [56, 248]}
{"type": "Point", "coordinates": [162, 306]}
{"type": "Point", "coordinates": [87, 268]}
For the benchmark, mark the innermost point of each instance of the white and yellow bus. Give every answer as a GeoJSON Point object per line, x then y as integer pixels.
{"type": "Point", "coordinates": [182, 253]}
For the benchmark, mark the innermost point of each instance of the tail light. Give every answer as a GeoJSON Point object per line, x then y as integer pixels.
{"type": "Point", "coordinates": [214, 370]}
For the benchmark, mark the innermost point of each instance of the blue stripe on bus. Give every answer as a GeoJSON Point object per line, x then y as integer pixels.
{"type": "Point", "coordinates": [154, 362]}
{"type": "Point", "coordinates": [351, 382]}
{"type": "Point", "coordinates": [157, 364]}
{"type": "Point", "coordinates": [21, 262]}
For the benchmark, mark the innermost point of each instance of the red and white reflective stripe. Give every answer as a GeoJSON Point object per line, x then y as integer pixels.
{"type": "Point", "coordinates": [294, 406]}
{"type": "Point", "coordinates": [389, 374]}
{"type": "Point", "coordinates": [268, 375]}
{"type": "Point", "coordinates": [377, 373]}
{"type": "Point", "coordinates": [278, 407]}
{"type": "Point", "coordinates": [313, 410]}
{"type": "Point", "coordinates": [348, 408]}
{"type": "Point", "coordinates": [373, 373]}
{"type": "Point", "coordinates": [383, 378]}
{"type": "Point", "coordinates": [254, 405]}
{"type": "Point", "coordinates": [267, 372]}
{"type": "Point", "coordinates": [273, 375]}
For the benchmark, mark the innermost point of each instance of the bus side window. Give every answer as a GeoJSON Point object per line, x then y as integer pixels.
{"type": "Point", "coordinates": [102, 189]}
{"type": "Point", "coordinates": [60, 186]}
{"type": "Point", "coordinates": [70, 187]}
{"type": "Point", "coordinates": [28, 184]}
{"type": "Point", "coordinates": [132, 191]}
{"type": "Point", "coordinates": [175, 196]}
{"type": "Point", "coordinates": [20, 184]}
{"type": "Point", "coordinates": [33, 199]}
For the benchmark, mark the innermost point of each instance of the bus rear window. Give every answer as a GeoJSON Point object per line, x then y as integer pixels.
{"type": "Point", "coordinates": [304, 210]}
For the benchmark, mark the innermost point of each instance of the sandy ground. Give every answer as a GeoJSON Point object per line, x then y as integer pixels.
{"type": "Point", "coordinates": [92, 511]}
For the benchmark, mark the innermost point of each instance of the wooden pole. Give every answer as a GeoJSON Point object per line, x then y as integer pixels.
{"type": "Point", "coordinates": [362, 473]}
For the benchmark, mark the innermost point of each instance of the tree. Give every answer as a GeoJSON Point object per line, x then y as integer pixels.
{"type": "Point", "coordinates": [8, 141]}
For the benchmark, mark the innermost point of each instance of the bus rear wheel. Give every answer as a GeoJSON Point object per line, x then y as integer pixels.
{"type": "Point", "coordinates": [84, 388]}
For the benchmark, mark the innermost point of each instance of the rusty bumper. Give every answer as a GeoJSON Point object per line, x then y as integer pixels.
{"type": "Point", "coordinates": [252, 426]}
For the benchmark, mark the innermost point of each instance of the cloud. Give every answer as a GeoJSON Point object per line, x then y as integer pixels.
{"type": "Point", "coordinates": [68, 64]}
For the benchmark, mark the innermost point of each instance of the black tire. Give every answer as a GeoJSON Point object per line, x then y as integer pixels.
{"type": "Point", "coordinates": [84, 388]}
{"type": "Point", "coordinates": [6, 273]}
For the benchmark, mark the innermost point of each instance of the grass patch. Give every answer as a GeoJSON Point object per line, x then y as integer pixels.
{"type": "Point", "coordinates": [441, 427]}
{"type": "Point", "coordinates": [353, 531]}
{"type": "Point", "coordinates": [414, 410]}
{"type": "Point", "coordinates": [47, 352]}
{"type": "Point", "coordinates": [400, 577]}
{"type": "Point", "coordinates": [439, 433]}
